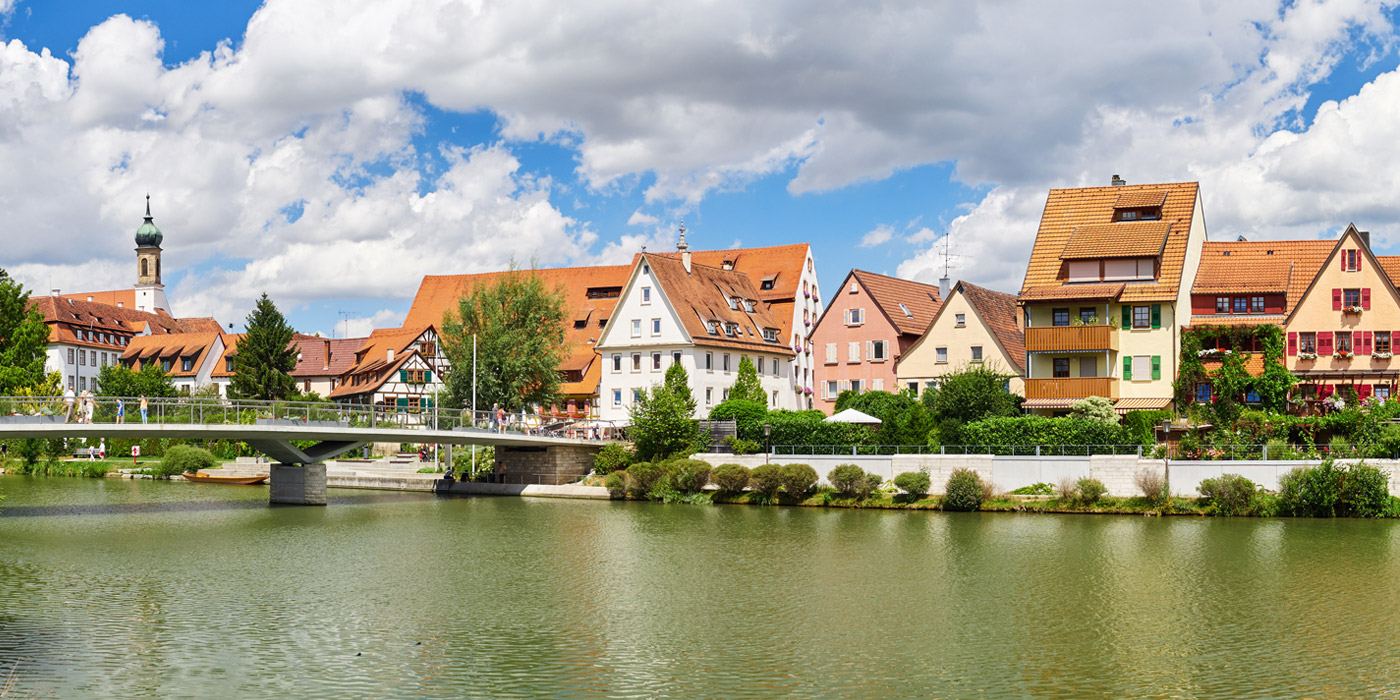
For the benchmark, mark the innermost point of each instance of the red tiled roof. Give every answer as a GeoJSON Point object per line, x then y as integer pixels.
{"type": "Point", "coordinates": [125, 297]}
{"type": "Point", "coordinates": [66, 317]}
{"type": "Point", "coordinates": [1241, 267]}
{"type": "Point", "coordinates": [781, 264]}
{"type": "Point", "coordinates": [889, 292]}
{"type": "Point", "coordinates": [198, 325]}
{"type": "Point", "coordinates": [321, 357]}
{"type": "Point", "coordinates": [173, 347]}
{"type": "Point", "coordinates": [702, 295]}
{"type": "Point", "coordinates": [1102, 290]}
{"type": "Point", "coordinates": [998, 311]}
{"type": "Point", "coordinates": [1068, 209]}
{"type": "Point", "coordinates": [231, 341]}
{"type": "Point", "coordinates": [1121, 240]}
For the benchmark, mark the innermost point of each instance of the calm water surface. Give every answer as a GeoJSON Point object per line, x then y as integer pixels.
{"type": "Point", "coordinates": [113, 588]}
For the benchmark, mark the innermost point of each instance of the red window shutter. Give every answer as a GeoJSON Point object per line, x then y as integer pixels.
{"type": "Point", "coordinates": [1363, 391]}
{"type": "Point", "coordinates": [1336, 300]}
{"type": "Point", "coordinates": [1366, 298]}
{"type": "Point", "coordinates": [1366, 342]}
{"type": "Point", "coordinates": [1356, 262]}
{"type": "Point", "coordinates": [1324, 342]}
{"type": "Point", "coordinates": [1394, 340]}
{"type": "Point", "coordinates": [1344, 260]}
{"type": "Point", "coordinates": [1292, 343]}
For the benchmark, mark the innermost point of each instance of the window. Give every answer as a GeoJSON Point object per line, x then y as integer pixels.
{"type": "Point", "coordinates": [775, 367]}
{"type": "Point", "coordinates": [636, 362]}
{"type": "Point", "coordinates": [830, 352]}
{"type": "Point", "coordinates": [1241, 305]}
{"type": "Point", "coordinates": [914, 388]}
{"type": "Point", "coordinates": [1343, 342]}
{"type": "Point", "coordinates": [1381, 342]}
{"type": "Point", "coordinates": [1088, 315]}
{"type": "Point", "coordinates": [228, 364]}
{"type": "Point", "coordinates": [646, 295]}
{"type": "Point", "coordinates": [878, 350]}
{"type": "Point", "coordinates": [1142, 317]}
{"type": "Point", "coordinates": [1203, 393]}
{"type": "Point", "coordinates": [855, 317]}
{"type": "Point", "coordinates": [770, 335]}
{"type": "Point", "coordinates": [1251, 396]}
{"type": "Point", "coordinates": [70, 381]}
{"type": "Point", "coordinates": [960, 320]}
{"type": "Point", "coordinates": [709, 395]}
{"type": "Point", "coordinates": [70, 357]}
{"type": "Point", "coordinates": [1142, 367]}
{"type": "Point", "coordinates": [774, 400]}
{"type": "Point", "coordinates": [726, 362]}
{"type": "Point", "coordinates": [617, 397]}
{"type": "Point", "coordinates": [1350, 262]}
{"type": "Point", "coordinates": [709, 362]}
{"type": "Point", "coordinates": [748, 305]}
{"type": "Point", "coordinates": [766, 285]}
{"type": "Point", "coordinates": [165, 365]}
{"type": "Point", "coordinates": [676, 357]}
{"type": "Point", "coordinates": [854, 287]}
{"type": "Point", "coordinates": [656, 360]}
{"type": "Point", "coordinates": [729, 329]}
{"type": "Point", "coordinates": [82, 383]}
{"type": "Point", "coordinates": [1351, 298]}
{"type": "Point", "coordinates": [853, 351]}
{"type": "Point", "coordinates": [940, 355]}
{"type": "Point", "coordinates": [1061, 367]}
{"type": "Point", "coordinates": [1256, 305]}
{"type": "Point", "coordinates": [1084, 271]}
{"type": "Point", "coordinates": [1059, 317]}
{"type": "Point", "coordinates": [186, 365]}
{"type": "Point", "coordinates": [655, 327]}
{"type": "Point", "coordinates": [1382, 391]}
{"type": "Point", "coordinates": [733, 304]}
{"type": "Point", "coordinates": [855, 385]}
{"type": "Point", "coordinates": [636, 396]}
{"type": "Point", "coordinates": [82, 357]}
{"type": "Point", "coordinates": [830, 391]}
{"type": "Point", "coordinates": [724, 394]}
{"type": "Point", "coordinates": [905, 309]}
{"type": "Point", "coordinates": [977, 353]}
{"type": "Point", "coordinates": [1307, 342]}
{"type": "Point", "coordinates": [760, 365]}
{"type": "Point", "coordinates": [617, 363]}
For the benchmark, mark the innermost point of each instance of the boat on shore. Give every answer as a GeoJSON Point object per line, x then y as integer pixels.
{"type": "Point", "coordinates": [240, 480]}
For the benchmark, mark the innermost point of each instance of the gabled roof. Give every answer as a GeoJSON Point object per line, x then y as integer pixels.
{"type": "Point", "coordinates": [998, 310]}
{"type": "Point", "coordinates": [702, 295]}
{"type": "Point", "coordinates": [198, 325]}
{"type": "Point", "coordinates": [1243, 267]}
{"type": "Point", "coordinates": [64, 314]}
{"type": "Point", "coordinates": [889, 292]}
{"type": "Point", "coordinates": [322, 357]}
{"type": "Point", "coordinates": [782, 264]}
{"type": "Point", "coordinates": [231, 341]}
{"type": "Point", "coordinates": [1069, 209]}
{"type": "Point", "coordinates": [373, 355]}
{"type": "Point", "coordinates": [173, 347]}
{"type": "Point", "coordinates": [1336, 246]}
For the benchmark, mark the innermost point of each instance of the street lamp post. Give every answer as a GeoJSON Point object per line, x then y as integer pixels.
{"type": "Point", "coordinates": [767, 442]}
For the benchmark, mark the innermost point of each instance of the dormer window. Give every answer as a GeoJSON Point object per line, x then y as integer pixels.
{"type": "Point", "coordinates": [770, 335]}
{"type": "Point", "coordinates": [728, 265]}
{"type": "Point", "coordinates": [729, 329]}
{"type": "Point", "coordinates": [733, 304]}
{"type": "Point", "coordinates": [748, 305]}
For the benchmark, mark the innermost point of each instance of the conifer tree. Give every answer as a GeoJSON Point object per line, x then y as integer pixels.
{"type": "Point", "coordinates": [265, 356]}
{"type": "Point", "coordinates": [746, 386]}
{"type": "Point", "coordinates": [22, 339]}
{"type": "Point", "coordinates": [678, 383]}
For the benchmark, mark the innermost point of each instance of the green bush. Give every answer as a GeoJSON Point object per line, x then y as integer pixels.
{"type": "Point", "coordinates": [1037, 489]}
{"type": "Point", "coordinates": [1039, 430]}
{"type": "Point", "coordinates": [1089, 491]}
{"type": "Point", "coordinates": [731, 478]}
{"type": "Point", "coordinates": [1387, 445]}
{"type": "Point", "coordinates": [797, 479]}
{"type": "Point", "coordinates": [1311, 491]}
{"type": "Point", "coordinates": [1153, 485]}
{"type": "Point", "coordinates": [916, 484]}
{"type": "Point", "coordinates": [846, 479]}
{"type": "Point", "coordinates": [963, 491]}
{"type": "Point", "coordinates": [766, 479]}
{"type": "Point", "coordinates": [1229, 494]}
{"type": "Point", "coordinates": [616, 487]}
{"type": "Point", "coordinates": [740, 446]}
{"type": "Point", "coordinates": [748, 416]}
{"type": "Point", "coordinates": [1142, 425]}
{"type": "Point", "coordinates": [184, 459]}
{"type": "Point", "coordinates": [613, 457]}
{"type": "Point", "coordinates": [640, 477]}
{"type": "Point", "coordinates": [1365, 491]}
{"type": "Point", "coordinates": [688, 475]}
{"type": "Point", "coordinates": [869, 486]}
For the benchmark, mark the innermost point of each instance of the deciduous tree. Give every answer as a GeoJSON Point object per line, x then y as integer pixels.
{"type": "Point", "coordinates": [116, 380]}
{"type": "Point", "coordinates": [22, 339]}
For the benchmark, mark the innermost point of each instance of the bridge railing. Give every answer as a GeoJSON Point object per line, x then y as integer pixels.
{"type": "Point", "coordinates": [198, 410]}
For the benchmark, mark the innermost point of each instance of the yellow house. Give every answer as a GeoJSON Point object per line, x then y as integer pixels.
{"type": "Point", "coordinates": [974, 326]}
{"type": "Point", "coordinates": [1103, 300]}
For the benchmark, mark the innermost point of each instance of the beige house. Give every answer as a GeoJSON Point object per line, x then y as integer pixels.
{"type": "Point", "coordinates": [974, 325]}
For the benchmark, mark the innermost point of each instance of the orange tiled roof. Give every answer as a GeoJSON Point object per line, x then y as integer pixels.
{"type": "Point", "coordinates": [67, 318]}
{"type": "Point", "coordinates": [1067, 209]}
{"type": "Point", "coordinates": [588, 385]}
{"type": "Point", "coordinates": [1391, 265]}
{"type": "Point", "coordinates": [1253, 365]}
{"type": "Point", "coordinates": [781, 264]}
{"type": "Point", "coordinates": [125, 297]}
{"type": "Point", "coordinates": [1230, 320]}
{"type": "Point", "coordinates": [1103, 290]}
{"type": "Point", "coordinates": [1135, 239]}
{"type": "Point", "coordinates": [373, 355]}
{"type": "Point", "coordinates": [1139, 198]}
{"type": "Point", "coordinates": [889, 292]}
{"type": "Point", "coordinates": [173, 347]}
{"type": "Point", "coordinates": [231, 341]}
{"type": "Point", "coordinates": [702, 295]}
{"type": "Point", "coordinates": [998, 311]}
{"type": "Point", "coordinates": [198, 325]}
{"type": "Point", "coordinates": [1239, 267]}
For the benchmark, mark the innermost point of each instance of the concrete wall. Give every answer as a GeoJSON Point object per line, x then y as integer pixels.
{"type": "Point", "coordinates": [558, 464]}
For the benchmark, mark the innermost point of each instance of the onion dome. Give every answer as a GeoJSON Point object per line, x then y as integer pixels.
{"type": "Point", "coordinates": [148, 236]}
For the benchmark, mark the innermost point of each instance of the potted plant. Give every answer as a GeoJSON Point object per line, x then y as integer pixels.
{"type": "Point", "coordinates": [1351, 309]}
{"type": "Point", "coordinates": [1307, 356]}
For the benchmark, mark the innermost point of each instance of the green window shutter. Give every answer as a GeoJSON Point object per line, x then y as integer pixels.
{"type": "Point", "coordinates": [427, 403]}
{"type": "Point", "coordinates": [401, 403]}
{"type": "Point", "coordinates": [1127, 367]}
{"type": "Point", "coordinates": [1127, 317]}
{"type": "Point", "coordinates": [1156, 366]}
{"type": "Point", "coordinates": [427, 376]}
{"type": "Point", "coordinates": [403, 376]}
{"type": "Point", "coordinates": [1156, 315]}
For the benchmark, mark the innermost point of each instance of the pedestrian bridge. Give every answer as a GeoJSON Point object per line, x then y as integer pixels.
{"type": "Point", "coordinates": [301, 436]}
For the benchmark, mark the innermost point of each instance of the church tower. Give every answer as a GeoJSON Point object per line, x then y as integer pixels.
{"type": "Point", "coordinates": [150, 293]}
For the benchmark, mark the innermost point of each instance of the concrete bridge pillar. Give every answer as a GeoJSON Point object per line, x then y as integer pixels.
{"type": "Point", "coordinates": [294, 484]}
{"type": "Point", "coordinates": [553, 465]}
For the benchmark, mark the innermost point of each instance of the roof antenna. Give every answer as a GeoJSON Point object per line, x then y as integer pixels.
{"type": "Point", "coordinates": [345, 319]}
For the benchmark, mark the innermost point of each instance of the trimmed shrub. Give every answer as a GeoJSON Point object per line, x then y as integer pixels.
{"type": "Point", "coordinates": [740, 446]}
{"type": "Point", "coordinates": [766, 479]}
{"type": "Point", "coordinates": [688, 475]}
{"type": "Point", "coordinates": [1039, 430]}
{"type": "Point", "coordinates": [916, 484]}
{"type": "Point", "coordinates": [1229, 494]}
{"type": "Point", "coordinates": [846, 479]}
{"type": "Point", "coordinates": [613, 457]}
{"type": "Point", "coordinates": [1365, 491]}
{"type": "Point", "coordinates": [869, 485]}
{"type": "Point", "coordinates": [731, 478]}
{"type": "Point", "coordinates": [1153, 485]}
{"type": "Point", "coordinates": [963, 491]}
{"type": "Point", "coordinates": [1311, 491]}
{"type": "Point", "coordinates": [641, 477]}
{"type": "Point", "coordinates": [1090, 490]}
{"type": "Point", "coordinates": [798, 479]}
{"type": "Point", "coordinates": [1037, 489]}
{"type": "Point", "coordinates": [615, 485]}
{"type": "Point", "coordinates": [184, 459]}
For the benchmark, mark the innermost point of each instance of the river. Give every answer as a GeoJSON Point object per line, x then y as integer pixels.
{"type": "Point", "coordinates": [116, 588]}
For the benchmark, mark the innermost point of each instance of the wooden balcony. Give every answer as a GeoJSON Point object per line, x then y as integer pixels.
{"type": "Point", "coordinates": [1072, 339]}
{"type": "Point", "coordinates": [1076, 388]}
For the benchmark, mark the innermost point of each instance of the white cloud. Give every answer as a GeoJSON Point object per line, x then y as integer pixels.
{"type": "Point", "coordinates": [876, 236]}
{"type": "Point", "coordinates": [923, 235]}
{"type": "Point", "coordinates": [640, 219]}
{"type": "Point", "coordinates": [361, 327]}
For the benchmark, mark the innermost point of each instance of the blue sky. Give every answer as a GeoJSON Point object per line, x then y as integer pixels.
{"type": "Point", "coordinates": [333, 153]}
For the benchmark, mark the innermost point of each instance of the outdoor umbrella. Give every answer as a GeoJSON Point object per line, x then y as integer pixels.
{"type": "Point", "coordinates": [851, 415]}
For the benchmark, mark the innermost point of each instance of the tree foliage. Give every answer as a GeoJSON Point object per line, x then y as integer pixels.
{"type": "Point", "coordinates": [662, 425]}
{"type": "Point", "coordinates": [972, 393]}
{"type": "Point", "coordinates": [22, 339]}
{"type": "Point", "coordinates": [116, 380]}
{"type": "Point", "coordinates": [265, 357]}
{"type": "Point", "coordinates": [519, 329]}
{"type": "Point", "coordinates": [1094, 408]}
{"type": "Point", "coordinates": [903, 420]}
{"type": "Point", "coordinates": [678, 382]}
{"type": "Point", "coordinates": [746, 386]}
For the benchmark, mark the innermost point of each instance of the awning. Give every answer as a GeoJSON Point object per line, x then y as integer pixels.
{"type": "Point", "coordinates": [1047, 403]}
{"type": "Point", "coordinates": [1141, 404]}
{"type": "Point", "coordinates": [851, 415]}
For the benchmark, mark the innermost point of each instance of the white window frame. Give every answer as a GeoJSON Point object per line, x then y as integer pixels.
{"type": "Point", "coordinates": [636, 362]}
{"type": "Point", "coordinates": [709, 396]}
{"type": "Point", "coordinates": [617, 397]}
{"type": "Point", "coordinates": [879, 350]}
{"type": "Point", "coordinates": [709, 362]}
{"type": "Point", "coordinates": [636, 328]}
{"type": "Point", "coordinates": [940, 356]}
{"type": "Point", "coordinates": [655, 327]}
{"type": "Point", "coordinates": [656, 361]}
{"type": "Point", "coordinates": [1142, 368]}
{"type": "Point", "coordinates": [725, 360]}
{"type": "Point", "coordinates": [977, 353]}
{"type": "Point", "coordinates": [646, 296]}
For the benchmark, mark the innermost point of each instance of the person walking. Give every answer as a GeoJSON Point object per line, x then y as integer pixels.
{"type": "Point", "coordinates": [143, 409]}
{"type": "Point", "coordinates": [91, 452]}
{"type": "Point", "coordinates": [68, 399]}
{"type": "Point", "coordinates": [121, 411]}
{"type": "Point", "coordinates": [495, 408]}
{"type": "Point", "coordinates": [102, 449]}
{"type": "Point", "coordinates": [500, 419]}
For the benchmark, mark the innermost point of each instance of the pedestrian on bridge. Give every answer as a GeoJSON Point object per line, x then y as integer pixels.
{"type": "Point", "coordinates": [68, 399]}
{"type": "Point", "coordinates": [500, 419]}
{"type": "Point", "coordinates": [121, 411]}
{"type": "Point", "coordinates": [143, 409]}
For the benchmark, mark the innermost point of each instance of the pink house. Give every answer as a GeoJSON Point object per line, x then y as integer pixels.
{"type": "Point", "coordinates": [868, 323]}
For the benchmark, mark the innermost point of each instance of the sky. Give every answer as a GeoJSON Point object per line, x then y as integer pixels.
{"type": "Point", "coordinates": [332, 153]}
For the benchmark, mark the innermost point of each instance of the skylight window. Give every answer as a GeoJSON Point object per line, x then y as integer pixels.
{"type": "Point", "coordinates": [905, 309]}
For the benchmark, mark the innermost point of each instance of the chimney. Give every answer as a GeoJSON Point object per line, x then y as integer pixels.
{"type": "Point", "coordinates": [1118, 181]}
{"type": "Point", "coordinates": [945, 287]}
{"type": "Point", "coordinates": [328, 354]}
{"type": "Point", "coordinates": [55, 292]}
{"type": "Point", "coordinates": [684, 249]}
{"type": "Point", "coordinates": [1365, 237]}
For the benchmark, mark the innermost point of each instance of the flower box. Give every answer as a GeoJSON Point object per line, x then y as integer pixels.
{"type": "Point", "coordinates": [807, 391]}
{"type": "Point", "coordinates": [1381, 355]}
{"type": "Point", "coordinates": [1342, 355]}
{"type": "Point", "coordinates": [1351, 309]}
{"type": "Point", "coordinates": [807, 294]}
{"type": "Point", "coordinates": [1213, 352]}
{"type": "Point", "coordinates": [1307, 356]}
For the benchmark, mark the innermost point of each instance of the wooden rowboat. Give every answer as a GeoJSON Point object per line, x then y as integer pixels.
{"type": "Point", "coordinates": [207, 479]}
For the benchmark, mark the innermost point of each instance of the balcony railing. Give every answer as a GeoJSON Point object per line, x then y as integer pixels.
{"type": "Point", "coordinates": [1072, 339]}
{"type": "Point", "coordinates": [1072, 388]}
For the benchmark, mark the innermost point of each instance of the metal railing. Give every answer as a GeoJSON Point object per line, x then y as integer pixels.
{"type": "Point", "coordinates": [191, 410]}
{"type": "Point", "coordinates": [1004, 450]}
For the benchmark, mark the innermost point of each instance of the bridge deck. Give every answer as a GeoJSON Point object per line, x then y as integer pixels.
{"type": "Point", "coordinates": [262, 432]}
